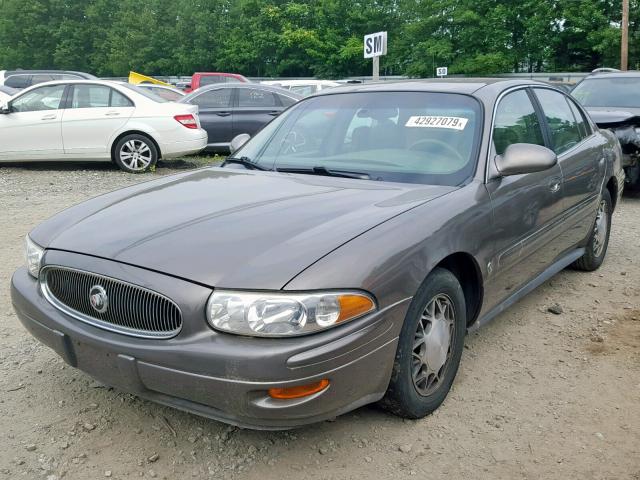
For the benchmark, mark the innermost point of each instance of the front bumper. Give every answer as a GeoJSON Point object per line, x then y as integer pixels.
{"type": "Point", "coordinates": [216, 375]}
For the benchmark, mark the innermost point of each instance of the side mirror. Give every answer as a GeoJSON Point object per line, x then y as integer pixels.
{"type": "Point", "coordinates": [238, 141]}
{"type": "Point", "coordinates": [521, 158]}
{"type": "Point", "coordinates": [5, 109]}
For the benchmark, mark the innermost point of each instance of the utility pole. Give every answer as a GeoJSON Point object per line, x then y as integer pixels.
{"type": "Point", "coordinates": [624, 47]}
{"type": "Point", "coordinates": [376, 69]}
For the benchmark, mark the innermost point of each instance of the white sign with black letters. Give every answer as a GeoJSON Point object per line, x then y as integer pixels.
{"type": "Point", "coordinates": [442, 71]}
{"type": "Point", "coordinates": [375, 44]}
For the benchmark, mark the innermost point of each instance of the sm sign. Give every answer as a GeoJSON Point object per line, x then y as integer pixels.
{"type": "Point", "coordinates": [375, 44]}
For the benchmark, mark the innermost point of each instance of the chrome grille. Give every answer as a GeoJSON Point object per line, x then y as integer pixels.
{"type": "Point", "coordinates": [131, 309]}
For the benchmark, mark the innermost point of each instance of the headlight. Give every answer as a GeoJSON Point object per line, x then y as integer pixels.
{"type": "Point", "coordinates": [278, 314]}
{"type": "Point", "coordinates": [33, 256]}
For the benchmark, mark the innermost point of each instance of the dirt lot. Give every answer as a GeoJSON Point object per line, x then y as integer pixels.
{"type": "Point", "coordinates": [538, 395]}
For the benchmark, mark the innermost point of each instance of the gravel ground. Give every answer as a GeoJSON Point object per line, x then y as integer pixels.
{"type": "Point", "coordinates": [538, 394]}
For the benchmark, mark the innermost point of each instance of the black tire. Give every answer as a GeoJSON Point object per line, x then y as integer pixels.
{"type": "Point", "coordinates": [125, 151]}
{"type": "Point", "coordinates": [596, 248]}
{"type": "Point", "coordinates": [403, 397]}
{"type": "Point", "coordinates": [632, 178]}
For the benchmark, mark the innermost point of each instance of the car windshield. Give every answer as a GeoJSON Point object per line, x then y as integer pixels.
{"type": "Point", "coordinates": [409, 137]}
{"type": "Point", "coordinates": [143, 91]}
{"type": "Point", "coordinates": [621, 92]}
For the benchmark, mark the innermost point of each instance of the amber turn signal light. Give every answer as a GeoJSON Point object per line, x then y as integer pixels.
{"type": "Point", "coordinates": [298, 391]}
{"type": "Point", "coordinates": [353, 306]}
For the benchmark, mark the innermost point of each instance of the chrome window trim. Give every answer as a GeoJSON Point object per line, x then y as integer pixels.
{"type": "Point", "coordinates": [50, 297]}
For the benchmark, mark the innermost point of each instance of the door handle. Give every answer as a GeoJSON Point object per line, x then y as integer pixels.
{"type": "Point", "coordinates": [554, 187]}
{"type": "Point", "coordinates": [223, 114]}
{"type": "Point", "coordinates": [274, 113]}
{"type": "Point", "coordinates": [112, 114]}
{"type": "Point", "coordinates": [51, 116]}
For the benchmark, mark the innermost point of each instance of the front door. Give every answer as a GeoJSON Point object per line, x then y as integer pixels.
{"type": "Point", "coordinates": [255, 108]}
{"type": "Point", "coordinates": [32, 130]}
{"type": "Point", "coordinates": [527, 208]}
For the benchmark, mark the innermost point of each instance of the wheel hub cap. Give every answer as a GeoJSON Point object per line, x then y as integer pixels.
{"type": "Point", "coordinates": [600, 229]}
{"type": "Point", "coordinates": [432, 344]}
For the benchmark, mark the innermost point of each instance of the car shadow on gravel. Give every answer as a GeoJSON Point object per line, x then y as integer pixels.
{"type": "Point", "coordinates": [183, 163]}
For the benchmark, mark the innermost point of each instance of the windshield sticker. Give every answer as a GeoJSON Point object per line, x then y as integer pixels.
{"type": "Point", "coordinates": [430, 121]}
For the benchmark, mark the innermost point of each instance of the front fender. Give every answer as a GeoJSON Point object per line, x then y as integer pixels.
{"type": "Point", "coordinates": [393, 259]}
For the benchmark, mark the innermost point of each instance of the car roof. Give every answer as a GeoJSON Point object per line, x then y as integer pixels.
{"type": "Point", "coordinates": [36, 72]}
{"type": "Point", "coordinates": [155, 85]}
{"type": "Point", "coordinates": [96, 81]}
{"type": "Point", "coordinates": [457, 85]}
{"type": "Point", "coordinates": [258, 86]}
{"type": "Point", "coordinates": [631, 73]}
{"type": "Point", "coordinates": [301, 82]}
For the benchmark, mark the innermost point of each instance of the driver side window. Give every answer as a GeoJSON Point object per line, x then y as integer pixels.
{"type": "Point", "coordinates": [43, 98]}
{"type": "Point", "coordinates": [516, 122]}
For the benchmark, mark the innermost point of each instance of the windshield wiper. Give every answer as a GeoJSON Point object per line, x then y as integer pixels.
{"type": "Point", "coordinates": [244, 161]}
{"type": "Point", "coordinates": [324, 171]}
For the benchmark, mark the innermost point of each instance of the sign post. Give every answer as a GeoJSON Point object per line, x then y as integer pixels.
{"type": "Point", "coordinates": [375, 45]}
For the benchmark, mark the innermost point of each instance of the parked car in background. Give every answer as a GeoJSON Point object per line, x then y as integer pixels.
{"type": "Point", "coordinates": [202, 79]}
{"type": "Point", "coordinates": [97, 120]}
{"type": "Point", "coordinates": [303, 87]}
{"type": "Point", "coordinates": [6, 93]}
{"type": "Point", "coordinates": [228, 110]}
{"type": "Point", "coordinates": [20, 79]}
{"type": "Point", "coordinates": [612, 98]}
{"type": "Point", "coordinates": [168, 93]}
{"type": "Point", "coordinates": [338, 259]}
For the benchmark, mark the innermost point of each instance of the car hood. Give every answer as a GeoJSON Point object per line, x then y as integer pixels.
{"type": "Point", "coordinates": [606, 117]}
{"type": "Point", "coordinates": [227, 227]}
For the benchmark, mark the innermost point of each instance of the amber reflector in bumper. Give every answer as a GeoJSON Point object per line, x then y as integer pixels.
{"type": "Point", "coordinates": [298, 391]}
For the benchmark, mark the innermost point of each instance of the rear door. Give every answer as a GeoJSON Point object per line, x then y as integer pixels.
{"type": "Point", "coordinates": [32, 131]}
{"type": "Point", "coordinates": [255, 108]}
{"type": "Point", "coordinates": [581, 157]}
{"type": "Point", "coordinates": [527, 208]}
{"type": "Point", "coordinates": [94, 114]}
{"type": "Point", "coordinates": [214, 107]}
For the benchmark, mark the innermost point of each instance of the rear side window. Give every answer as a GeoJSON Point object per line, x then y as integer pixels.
{"type": "Point", "coordinates": [119, 100]}
{"type": "Point", "coordinates": [583, 125]}
{"type": "Point", "coordinates": [516, 122]}
{"type": "Point", "coordinates": [97, 96]}
{"type": "Point", "coordinates": [41, 78]}
{"type": "Point", "coordinates": [213, 99]}
{"type": "Point", "coordinates": [286, 101]}
{"type": "Point", "coordinates": [252, 97]}
{"type": "Point", "coordinates": [565, 132]}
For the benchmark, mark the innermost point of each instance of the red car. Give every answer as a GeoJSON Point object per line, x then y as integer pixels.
{"type": "Point", "coordinates": [200, 79]}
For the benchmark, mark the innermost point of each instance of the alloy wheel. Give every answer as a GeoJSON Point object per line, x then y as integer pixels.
{"type": "Point", "coordinates": [136, 155]}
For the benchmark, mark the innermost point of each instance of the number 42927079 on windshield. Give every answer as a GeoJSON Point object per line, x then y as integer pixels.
{"type": "Point", "coordinates": [430, 121]}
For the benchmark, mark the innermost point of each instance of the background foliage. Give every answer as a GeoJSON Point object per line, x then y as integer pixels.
{"type": "Point", "coordinates": [320, 38]}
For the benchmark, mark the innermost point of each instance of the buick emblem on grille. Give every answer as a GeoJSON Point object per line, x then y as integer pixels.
{"type": "Point", "coordinates": [98, 298]}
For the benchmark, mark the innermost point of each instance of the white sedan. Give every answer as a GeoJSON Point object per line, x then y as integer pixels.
{"type": "Point", "coordinates": [97, 120]}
